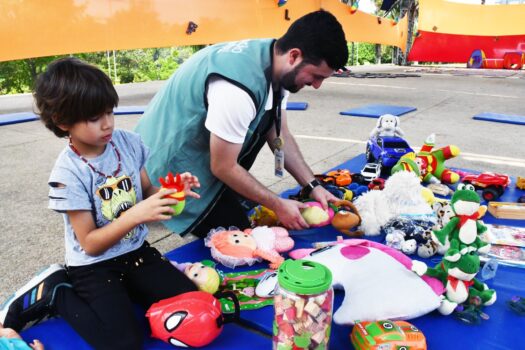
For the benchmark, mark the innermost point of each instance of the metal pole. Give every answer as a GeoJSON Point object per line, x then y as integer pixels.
{"type": "Point", "coordinates": [115, 66]}
{"type": "Point", "coordinates": [109, 64]}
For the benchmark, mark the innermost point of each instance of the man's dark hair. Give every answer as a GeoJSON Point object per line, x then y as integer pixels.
{"type": "Point", "coordinates": [319, 36]}
{"type": "Point", "coordinates": [70, 91]}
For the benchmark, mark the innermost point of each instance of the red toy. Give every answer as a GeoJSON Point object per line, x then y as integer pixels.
{"type": "Point", "coordinates": [174, 182]}
{"type": "Point", "coordinates": [191, 319]}
{"type": "Point", "coordinates": [492, 185]}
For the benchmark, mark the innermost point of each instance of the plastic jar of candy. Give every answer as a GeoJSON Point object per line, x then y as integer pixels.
{"type": "Point", "coordinates": [303, 306]}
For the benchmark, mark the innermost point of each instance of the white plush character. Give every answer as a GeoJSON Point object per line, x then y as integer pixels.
{"type": "Point", "coordinates": [395, 239]}
{"type": "Point", "coordinates": [387, 125]}
{"type": "Point", "coordinates": [401, 196]}
{"type": "Point", "coordinates": [409, 247]}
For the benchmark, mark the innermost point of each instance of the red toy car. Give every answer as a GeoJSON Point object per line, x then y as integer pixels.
{"type": "Point", "coordinates": [491, 185]}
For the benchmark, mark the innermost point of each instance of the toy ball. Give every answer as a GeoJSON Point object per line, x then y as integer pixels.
{"type": "Point", "coordinates": [315, 215]}
{"type": "Point", "coordinates": [191, 319]}
{"type": "Point", "coordinates": [174, 182]}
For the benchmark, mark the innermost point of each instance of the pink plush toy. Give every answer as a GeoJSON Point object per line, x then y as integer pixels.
{"type": "Point", "coordinates": [234, 247]}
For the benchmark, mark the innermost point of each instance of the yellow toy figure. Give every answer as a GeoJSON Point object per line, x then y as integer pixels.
{"type": "Point", "coordinates": [204, 275]}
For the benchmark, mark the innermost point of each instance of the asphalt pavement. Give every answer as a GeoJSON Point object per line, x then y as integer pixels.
{"type": "Point", "coordinates": [446, 100]}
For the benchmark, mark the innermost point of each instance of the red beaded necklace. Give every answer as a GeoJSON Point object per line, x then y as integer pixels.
{"type": "Point", "coordinates": [115, 173]}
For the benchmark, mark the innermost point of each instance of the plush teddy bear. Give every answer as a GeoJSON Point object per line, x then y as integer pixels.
{"type": "Point", "coordinates": [387, 125]}
{"type": "Point", "coordinates": [234, 247]}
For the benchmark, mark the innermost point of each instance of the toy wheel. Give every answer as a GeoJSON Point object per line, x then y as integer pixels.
{"type": "Point", "coordinates": [490, 194]}
{"type": "Point", "coordinates": [369, 156]}
{"type": "Point", "coordinates": [521, 199]}
{"type": "Point", "coordinates": [500, 191]}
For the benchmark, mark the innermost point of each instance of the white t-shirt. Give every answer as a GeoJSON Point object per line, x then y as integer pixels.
{"type": "Point", "coordinates": [230, 121]}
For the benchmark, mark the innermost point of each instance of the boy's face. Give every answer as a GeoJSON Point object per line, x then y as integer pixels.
{"type": "Point", "coordinates": [90, 137]}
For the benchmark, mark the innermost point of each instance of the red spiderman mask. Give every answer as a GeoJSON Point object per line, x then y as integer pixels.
{"type": "Point", "coordinates": [191, 319]}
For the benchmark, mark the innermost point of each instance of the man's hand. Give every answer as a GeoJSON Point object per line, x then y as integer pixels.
{"type": "Point", "coordinates": [289, 213]}
{"type": "Point", "coordinates": [322, 196]}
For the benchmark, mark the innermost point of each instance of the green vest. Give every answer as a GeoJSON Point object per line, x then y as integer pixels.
{"type": "Point", "coordinates": [173, 124]}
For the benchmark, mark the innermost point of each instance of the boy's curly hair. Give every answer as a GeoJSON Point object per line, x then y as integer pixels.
{"type": "Point", "coordinates": [70, 91]}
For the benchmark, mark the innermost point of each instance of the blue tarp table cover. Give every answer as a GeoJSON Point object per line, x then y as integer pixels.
{"type": "Point", "coordinates": [501, 331]}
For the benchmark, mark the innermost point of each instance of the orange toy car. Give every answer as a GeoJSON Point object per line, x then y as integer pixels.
{"type": "Point", "coordinates": [339, 177]}
{"type": "Point", "coordinates": [387, 335]}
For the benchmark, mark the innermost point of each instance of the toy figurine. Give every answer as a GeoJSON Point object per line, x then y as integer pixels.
{"type": "Point", "coordinates": [458, 278]}
{"type": "Point", "coordinates": [234, 247]}
{"type": "Point", "coordinates": [430, 164]}
{"type": "Point", "coordinates": [346, 218]}
{"type": "Point", "coordinates": [176, 183]}
{"type": "Point", "coordinates": [463, 230]}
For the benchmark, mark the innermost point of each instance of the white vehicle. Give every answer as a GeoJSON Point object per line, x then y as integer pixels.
{"type": "Point", "coordinates": [371, 171]}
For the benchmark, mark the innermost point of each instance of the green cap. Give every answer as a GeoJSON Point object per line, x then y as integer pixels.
{"type": "Point", "coordinates": [304, 277]}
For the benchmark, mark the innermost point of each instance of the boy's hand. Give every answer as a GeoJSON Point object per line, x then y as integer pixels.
{"type": "Point", "coordinates": [190, 181]}
{"type": "Point", "coordinates": [154, 208]}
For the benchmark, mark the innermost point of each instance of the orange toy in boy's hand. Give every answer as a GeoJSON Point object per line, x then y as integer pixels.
{"type": "Point", "coordinates": [171, 182]}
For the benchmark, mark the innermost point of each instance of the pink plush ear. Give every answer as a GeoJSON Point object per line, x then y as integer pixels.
{"type": "Point", "coordinates": [300, 253]}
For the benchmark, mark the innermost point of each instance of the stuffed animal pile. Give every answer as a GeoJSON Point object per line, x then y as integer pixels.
{"type": "Point", "coordinates": [461, 261]}
{"type": "Point", "coordinates": [400, 197]}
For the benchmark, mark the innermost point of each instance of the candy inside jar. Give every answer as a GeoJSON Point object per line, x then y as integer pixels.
{"type": "Point", "coordinates": [303, 306]}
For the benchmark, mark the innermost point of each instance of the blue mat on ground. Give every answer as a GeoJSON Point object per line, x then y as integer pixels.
{"type": "Point", "coordinates": [296, 106]}
{"type": "Point", "coordinates": [129, 110]}
{"type": "Point", "coordinates": [22, 117]}
{"type": "Point", "coordinates": [15, 118]}
{"type": "Point", "coordinates": [377, 110]}
{"type": "Point", "coordinates": [501, 118]}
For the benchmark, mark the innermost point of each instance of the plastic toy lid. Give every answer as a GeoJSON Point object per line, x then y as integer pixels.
{"type": "Point", "coordinates": [304, 277]}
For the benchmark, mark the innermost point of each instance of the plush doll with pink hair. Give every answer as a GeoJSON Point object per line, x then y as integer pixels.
{"type": "Point", "coordinates": [234, 247]}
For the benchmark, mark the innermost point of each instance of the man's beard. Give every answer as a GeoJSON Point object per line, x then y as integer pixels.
{"type": "Point", "coordinates": [288, 80]}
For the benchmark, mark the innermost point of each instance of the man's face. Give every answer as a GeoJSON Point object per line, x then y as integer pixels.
{"type": "Point", "coordinates": [305, 74]}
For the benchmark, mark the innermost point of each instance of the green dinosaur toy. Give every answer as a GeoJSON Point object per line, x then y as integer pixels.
{"type": "Point", "coordinates": [459, 282]}
{"type": "Point", "coordinates": [463, 230]}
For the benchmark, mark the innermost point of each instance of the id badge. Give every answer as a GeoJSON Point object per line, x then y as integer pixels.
{"type": "Point", "coordinates": [279, 162]}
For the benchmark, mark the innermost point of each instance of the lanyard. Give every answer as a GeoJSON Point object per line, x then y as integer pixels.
{"type": "Point", "coordinates": [277, 96]}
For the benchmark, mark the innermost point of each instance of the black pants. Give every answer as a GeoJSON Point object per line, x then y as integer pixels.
{"type": "Point", "coordinates": [227, 212]}
{"type": "Point", "coordinates": [101, 305]}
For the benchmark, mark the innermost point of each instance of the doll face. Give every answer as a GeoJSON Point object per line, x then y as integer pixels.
{"type": "Point", "coordinates": [198, 273]}
{"type": "Point", "coordinates": [242, 239]}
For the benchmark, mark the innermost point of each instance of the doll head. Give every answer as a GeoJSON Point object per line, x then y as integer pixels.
{"type": "Point", "coordinates": [204, 276]}
{"type": "Point", "coordinates": [232, 247]}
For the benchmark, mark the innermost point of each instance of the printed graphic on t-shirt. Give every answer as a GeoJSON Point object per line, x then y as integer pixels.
{"type": "Point", "coordinates": [117, 195]}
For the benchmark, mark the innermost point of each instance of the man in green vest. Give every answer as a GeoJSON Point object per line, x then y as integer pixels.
{"type": "Point", "coordinates": [223, 104]}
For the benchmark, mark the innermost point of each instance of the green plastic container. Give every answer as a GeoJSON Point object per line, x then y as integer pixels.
{"type": "Point", "coordinates": [303, 306]}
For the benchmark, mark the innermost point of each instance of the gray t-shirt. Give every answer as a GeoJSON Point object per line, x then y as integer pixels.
{"type": "Point", "coordinates": [73, 185]}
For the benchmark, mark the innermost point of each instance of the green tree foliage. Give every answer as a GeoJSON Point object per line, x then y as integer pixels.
{"type": "Point", "coordinates": [131, 65]}
{"type": "Point", "coordinates": [365, 53]}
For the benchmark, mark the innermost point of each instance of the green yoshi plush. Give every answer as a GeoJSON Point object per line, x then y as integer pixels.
{"type": "Point", "coordinates": [463, 230]}
{"type": "Point", "coordinates": [459, 282]}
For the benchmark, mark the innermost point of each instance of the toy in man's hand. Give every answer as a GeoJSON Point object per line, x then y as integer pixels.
{"type": "Point", "coordinates": [171, 182]}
